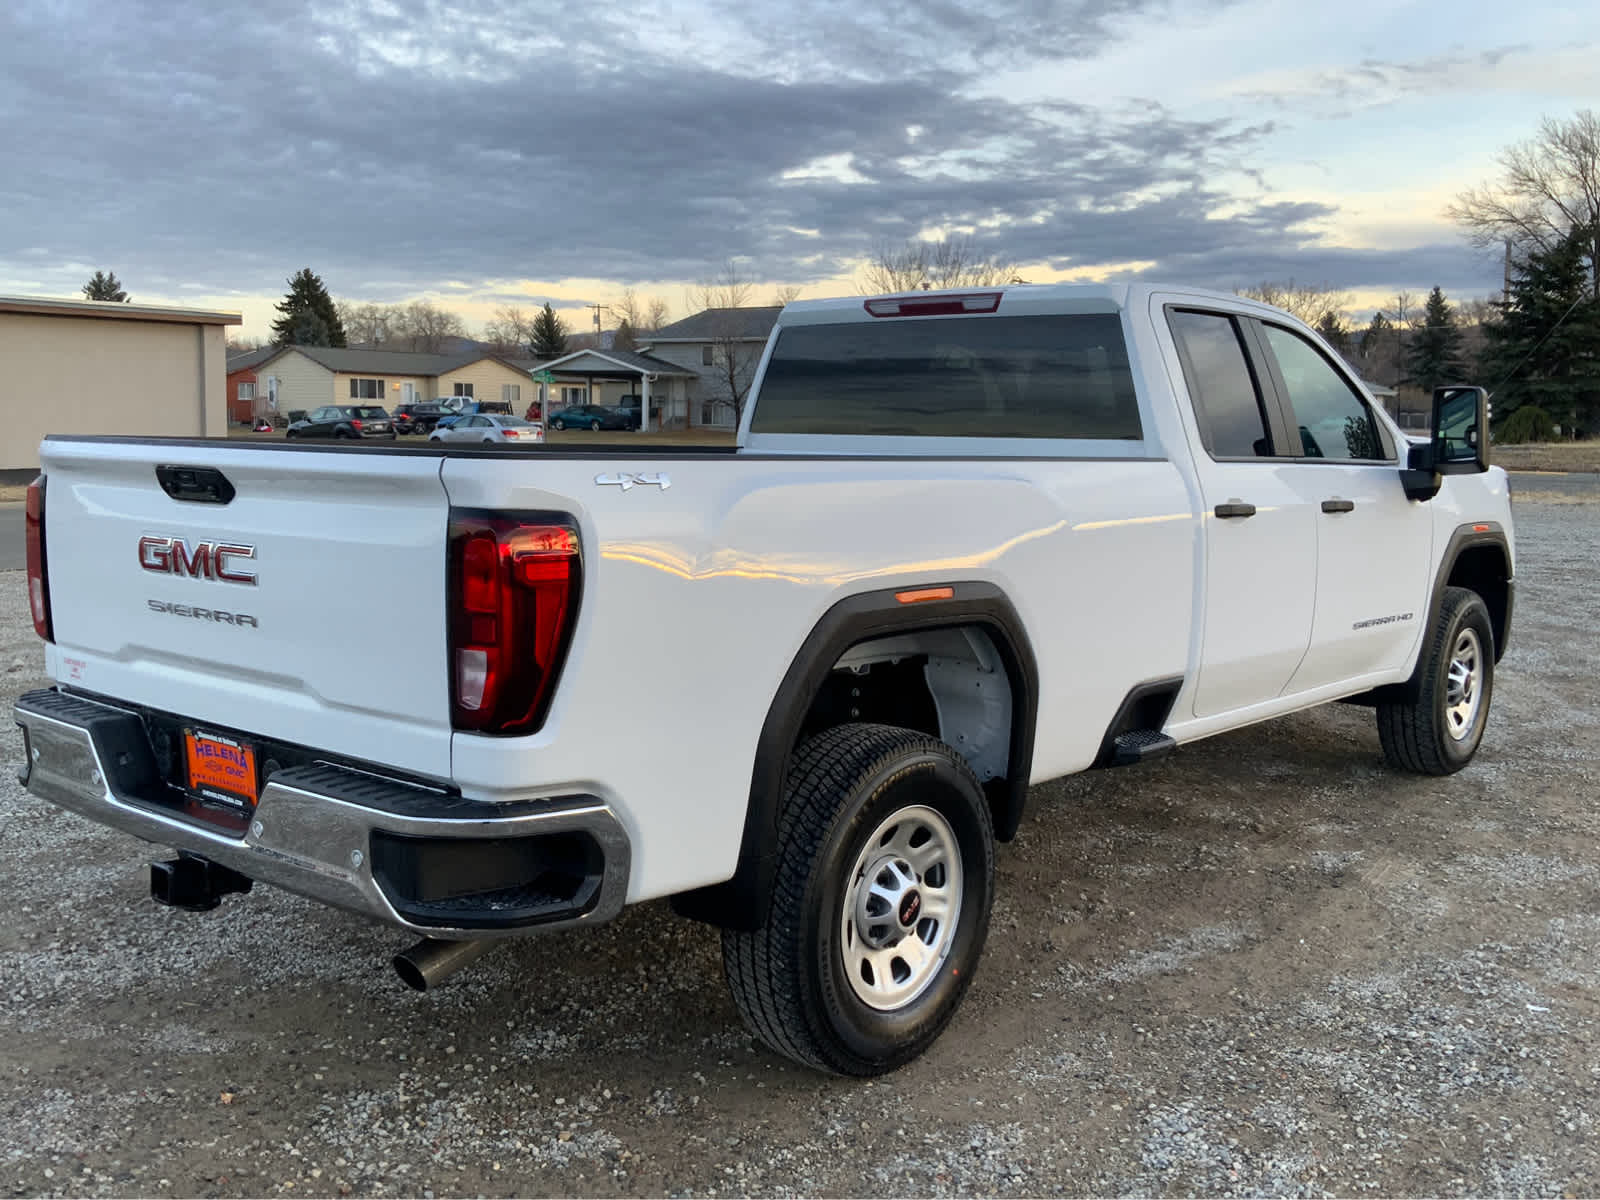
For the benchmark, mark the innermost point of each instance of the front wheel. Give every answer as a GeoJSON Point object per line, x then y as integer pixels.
{"type": "Point", "coordinates": [881, 904]}
{"type": "Point", "coordinates": [1438, 733]}
{"type": "Point", "coordinates": [595, 426]}
{"type": "Point", "coordinates": [558, 424]}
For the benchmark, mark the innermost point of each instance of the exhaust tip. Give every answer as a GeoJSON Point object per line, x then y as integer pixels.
{"type": "Point", "coordinates": [432, 960]}
{"type": "Point", "coordinates": [410, 974]}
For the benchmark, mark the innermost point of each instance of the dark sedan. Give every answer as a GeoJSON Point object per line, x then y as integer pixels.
{"type": "Point", "coordinates": [594, 416]}
{"type": "Point", "coordinates": [417, 418]}
{"type": "Point", "coordinates": [344, 421]}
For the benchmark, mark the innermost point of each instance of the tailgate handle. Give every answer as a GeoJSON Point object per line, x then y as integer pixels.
{"type": "Point", "coordinates": [204, 485]}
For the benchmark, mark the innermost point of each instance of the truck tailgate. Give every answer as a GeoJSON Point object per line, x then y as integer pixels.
{"type": "Point", "coordinates": [320, 622]}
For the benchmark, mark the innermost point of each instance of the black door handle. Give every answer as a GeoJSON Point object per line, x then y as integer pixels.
{"type": "Point", "coordinates": [1338, 506]}
{"type": "Point", "coordinates": [1235, 508]}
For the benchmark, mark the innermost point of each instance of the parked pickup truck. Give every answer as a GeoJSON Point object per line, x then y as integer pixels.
{"type": "Point", "coordinates": [965, 542]}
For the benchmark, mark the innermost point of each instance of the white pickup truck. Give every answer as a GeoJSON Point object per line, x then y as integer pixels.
{"type": "Point", "coordinates": [966, 542]}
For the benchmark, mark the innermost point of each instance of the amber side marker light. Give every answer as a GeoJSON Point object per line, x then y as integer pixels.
{"type": "Point", "coordinates": [1480, 529]}
{"type": "Point", "coordinates": [918, 595]}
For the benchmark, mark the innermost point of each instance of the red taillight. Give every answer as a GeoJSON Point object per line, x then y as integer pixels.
{"type": "Point", "coordinates": [934, 306]}
{"type": "Point", "coordinates": [38, 579]}
{"type": "Point", "coordinates": [355, 423]}
{"type": "Point", "coordinates": [514, 582]}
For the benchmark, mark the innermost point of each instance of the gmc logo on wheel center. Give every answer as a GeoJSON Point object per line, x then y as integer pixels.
{"type": "Point", "coordinates": [202, 560]}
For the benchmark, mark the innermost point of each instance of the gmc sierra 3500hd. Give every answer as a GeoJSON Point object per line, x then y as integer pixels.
{"type": "Point", "coordinates": [965, 542]}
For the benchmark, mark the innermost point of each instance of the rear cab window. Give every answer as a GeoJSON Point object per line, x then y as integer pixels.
{"type": "Point", "coordinates": [1024, 384]}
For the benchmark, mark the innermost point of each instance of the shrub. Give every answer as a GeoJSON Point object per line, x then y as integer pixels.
{"type": "Point", "coordinates": [1530, 423]}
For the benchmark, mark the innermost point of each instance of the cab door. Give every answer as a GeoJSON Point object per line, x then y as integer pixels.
{"type": "Point", "coordinates": [1260, 534]}
{"type": "Point", "coordinates": [1374, 545]}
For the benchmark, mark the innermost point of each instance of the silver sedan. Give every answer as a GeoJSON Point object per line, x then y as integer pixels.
{"type": "Point", "coordinates": [492, 428]}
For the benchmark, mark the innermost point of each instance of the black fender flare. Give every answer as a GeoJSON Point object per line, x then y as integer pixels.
{"type": "Point", "coordinates": [741, 902]}
{"type": "Point", "coordinates": [1467, 537]}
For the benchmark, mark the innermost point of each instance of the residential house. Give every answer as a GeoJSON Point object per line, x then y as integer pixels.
{"type": "Point", "coordinates": [722, 347]}
{"type": "Point", "coordinates": [306, 377]}
{"type": "Point", "coordinates": [241, 387]}
{"type": "Point", "coordinates": [620, 379]}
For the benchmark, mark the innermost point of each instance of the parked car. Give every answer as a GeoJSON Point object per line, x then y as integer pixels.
{"type": "Point", "coordinates": [971, 542]}
{"type": "Point", "coordinates": [344, 421]}
{"type": "Point", "coordinates": [419, 417]}
{"type": "Point", "coordinates": [494, 428]}
{"type": "Point", "coordinates": [456, 407]}
{"type": "Point", "coordinates": [594, 416]}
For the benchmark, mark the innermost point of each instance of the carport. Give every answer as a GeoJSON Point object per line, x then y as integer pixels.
{"type": "Point", "coordinates": [662, 387]}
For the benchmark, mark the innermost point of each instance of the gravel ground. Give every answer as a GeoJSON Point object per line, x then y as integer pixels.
{"type": "Point", "coordinates": [1263, 966]}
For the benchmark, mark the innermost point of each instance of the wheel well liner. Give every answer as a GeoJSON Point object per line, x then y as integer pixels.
{"type": "Point", "coordinates": [740, 902]}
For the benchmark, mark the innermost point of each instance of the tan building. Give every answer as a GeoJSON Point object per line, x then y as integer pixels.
{"type": "Point", "coordinates": [307, 377]}
{"type": "Point", "coordinates": [95, 367]}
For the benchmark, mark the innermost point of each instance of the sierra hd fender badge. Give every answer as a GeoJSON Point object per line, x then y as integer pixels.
{"type": "Point", "coordinates": [626, 480]}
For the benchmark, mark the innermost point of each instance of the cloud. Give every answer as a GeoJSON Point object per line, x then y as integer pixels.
{"type": "Point", "coordinates": [394, 145]}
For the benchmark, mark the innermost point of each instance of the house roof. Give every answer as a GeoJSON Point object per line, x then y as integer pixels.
{"type": "Point", "coordinates": [388, 362]}
{"type": "Point", "coordinates": [55, 306]}
{"type": "Point", "coordinates": [629, 360]}
{"type": "Point", "coordinates": [745, 324]}
{"type": "Point", "coordinates": [246, 359]}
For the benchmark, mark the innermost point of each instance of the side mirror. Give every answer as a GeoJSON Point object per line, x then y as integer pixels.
{"type": "Point", "coordinates": [1460, 430]}
{"type": "Point", "coordinates": [1458, 441]}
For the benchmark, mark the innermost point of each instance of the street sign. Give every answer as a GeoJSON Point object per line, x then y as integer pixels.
{"type": "Point", "coordinates": [543, 377]}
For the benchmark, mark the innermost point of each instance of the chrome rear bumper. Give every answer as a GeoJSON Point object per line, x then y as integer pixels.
{"type": "Point", "coordinates": [312, 831]}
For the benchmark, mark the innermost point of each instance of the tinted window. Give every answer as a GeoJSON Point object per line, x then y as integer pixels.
{"type": "Point", "coordinates": [1334, 421]}
{"type": "Point", "coordinates": [367, 413]}
{"type": "Point", "coordinates": [1022, 377]}
{"type": "Point", "coordinates": [1227, 403]}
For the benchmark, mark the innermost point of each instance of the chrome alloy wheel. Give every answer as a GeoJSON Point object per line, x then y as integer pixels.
{"type": "Point", "coordinates": [900, 908]}
{"type": "Point", "coordinates": [1463, 688]}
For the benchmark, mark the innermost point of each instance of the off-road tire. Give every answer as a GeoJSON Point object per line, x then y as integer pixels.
{"type": "Point", "coordinates": [1415, 735]}
{"type": "Point", "coordinates": [787, 977]}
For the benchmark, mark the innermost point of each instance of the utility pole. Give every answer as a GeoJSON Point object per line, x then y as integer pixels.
{"type": "Point", "coordinates": [1505, 291]}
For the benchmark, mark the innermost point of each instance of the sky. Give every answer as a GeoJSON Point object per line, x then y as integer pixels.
{"type": "Point", "coordinates": [479, 154]}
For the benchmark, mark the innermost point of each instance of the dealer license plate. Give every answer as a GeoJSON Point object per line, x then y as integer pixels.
{"type": "Point", "coordinates": [221, 768]}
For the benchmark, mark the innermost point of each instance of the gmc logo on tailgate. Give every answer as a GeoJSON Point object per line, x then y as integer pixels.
{"type": "Point", "coordinates": [200, 560]}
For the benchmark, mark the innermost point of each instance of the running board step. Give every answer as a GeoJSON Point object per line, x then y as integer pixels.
{"type": "Point", "coordinates": [1140, 745]}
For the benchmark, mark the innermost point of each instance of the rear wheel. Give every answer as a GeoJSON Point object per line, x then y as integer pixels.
{"type": "Point", "coordinates": [880, 907]}
{"type": "Point", "coordinates": [1439, 732]}
{"type": "Point", "coordinates": [595, 425]}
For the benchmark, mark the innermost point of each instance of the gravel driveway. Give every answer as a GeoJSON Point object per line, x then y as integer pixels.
{"type": "Point", "coordinates": [1265, 965]}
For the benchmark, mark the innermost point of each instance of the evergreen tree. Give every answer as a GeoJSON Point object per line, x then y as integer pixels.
{"type": "Point", "coordinates": [549, 335]}
{"type": "Point", "coordinates": [624, 339]}
{"type": "Point", "coordinates": [1547, 338]}
{"type": "Point", "coordinates": [1334, 331]}
{"type": "Point", "coordinates": [307, 298]}
{"type": "Point", "coordinates": [1434, 357]}
{"type": "Point", "coordinates": [105, 286]}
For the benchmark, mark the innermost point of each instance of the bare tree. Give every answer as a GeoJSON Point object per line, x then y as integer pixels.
{"type": "Point", "coordinates": [367, 323]}
{"type": "Point", "coordinates": [733, 356]}
{"type": "Point", "coordinates": [921, 265]}
{"type": "Point", "coordinates": [1315, 304]}
{"type": "Point", "coordinates": [509, 331]}
{"type": "Point", "coordinates": [426, 328]}
{"type": "Point", "coordinates": [642, 314]}
{"type": "Point", "coordinates": [785, 293]}
{"type": "Point", "coordinates": [1549, 189]}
